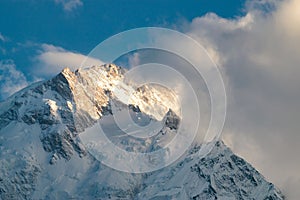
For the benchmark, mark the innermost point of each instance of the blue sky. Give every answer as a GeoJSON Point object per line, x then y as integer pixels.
{"type": "Point", "coordinates": [79, 26]}
{"type": "Point", "coordinates": [90, 22]}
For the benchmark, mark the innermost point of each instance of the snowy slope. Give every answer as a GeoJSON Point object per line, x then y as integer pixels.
{"type": "Point", "coordinates": [220, 175]}
{"type": "Point", "coordinates": [42, 156]}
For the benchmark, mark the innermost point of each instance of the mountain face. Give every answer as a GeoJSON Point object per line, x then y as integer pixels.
{"type": "Point", "coordinates": [42, 155]}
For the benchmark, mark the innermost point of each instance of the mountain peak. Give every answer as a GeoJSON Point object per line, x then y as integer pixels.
{"type": "Point", "coordinates": [39, 144]}
{"type": "Point", "coordinates": [73, 101]}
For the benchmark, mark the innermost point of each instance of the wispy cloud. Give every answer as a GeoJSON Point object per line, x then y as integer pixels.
{"type": "Point", "coordinates": [3, 38]}
{"type": "Point", "coordinates": [69, 5]}
{"type": "Point", "coordinates": [53, 59]}
{"type": "Point", "coordinates": [134, 59]}
{"type": "Point", "coordinates": [11, 79]}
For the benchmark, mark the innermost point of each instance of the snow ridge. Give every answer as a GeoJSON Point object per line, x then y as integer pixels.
{"type": "Point", "coordinates": [42, 157]}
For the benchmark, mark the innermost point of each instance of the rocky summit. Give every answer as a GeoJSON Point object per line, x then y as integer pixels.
{"type": "Point", "coordinates": [43, 157]}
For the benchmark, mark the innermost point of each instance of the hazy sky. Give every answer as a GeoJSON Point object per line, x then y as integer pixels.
{"type": "Point", "coordinates": [255, 43]}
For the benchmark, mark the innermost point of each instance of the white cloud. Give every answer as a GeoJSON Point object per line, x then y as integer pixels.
{"type": "Point", "coordinates": [288, 18]}
{"type": "Point", "coordinates": [3, 38]}
{"type": "Point", "coordinates": [69, 5]}
{"type": "Point", "coordinates": [259, 56]}
{"type": "Point", "coordinates": [11, 80]}
{"type": "Point", "coordinates": [53, 59]}
{"type": "Point", "coordinates": [134, 59]}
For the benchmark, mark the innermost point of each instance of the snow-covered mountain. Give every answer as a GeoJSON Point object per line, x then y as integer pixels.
{"type": "Point", "coordinates": [42, 155]}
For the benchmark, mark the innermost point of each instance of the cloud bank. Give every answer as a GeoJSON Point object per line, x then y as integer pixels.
{"type": "Point", "coordinates": [258, 55]}
{"type": "Point", "coordinates": [53, 59]}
